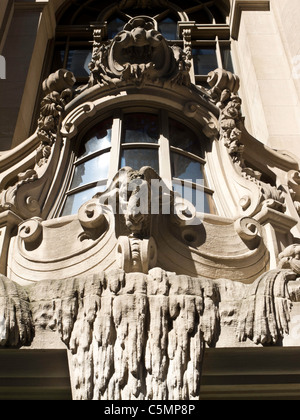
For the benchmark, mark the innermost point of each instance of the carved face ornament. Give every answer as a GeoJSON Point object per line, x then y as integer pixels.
{"type": "Point", "coordinates": [139, 44]}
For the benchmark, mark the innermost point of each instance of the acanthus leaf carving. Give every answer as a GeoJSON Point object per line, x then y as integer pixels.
{"type": "Point", "coordinates": [58, 92]}
{"type": "Point", "coordinates": [294, 188]}
{"type": "Point", "coordinates": [25, 202]}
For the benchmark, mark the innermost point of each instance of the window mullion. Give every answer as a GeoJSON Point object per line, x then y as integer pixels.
{"type": "Point", "coordinates": [218, 53]}
{"type": "Point", "coordinates": [115, 146]}
{"type": "Point", "coordinates": [66, 53]}
{"type": "Point", "coordinates": [164, 151]}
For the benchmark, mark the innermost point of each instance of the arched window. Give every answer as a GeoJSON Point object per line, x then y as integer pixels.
{"type": "Point", "coordinates": [136, 138]}
{"type": "Point", "coordinates": [142, 137]}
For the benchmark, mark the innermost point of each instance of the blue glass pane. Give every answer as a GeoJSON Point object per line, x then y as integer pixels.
{"type": "Point", "coordinates": [114, 27]}
{"type": "Point", "coordinates": [137, 158]}
{"type": "Point", "coordinates": [168, 28]}
{"type": "Point", "coordinates": [140, 128]}
{"type": "Point", "coordinates": [184, 138]}
{"type": "Point", "coordinates": [99, 138]}
{"type": "Point", "coordinates": [78, 62]}
{"type": "Point", "coordinates": [58, 59]}
{"type": "Point", "coordinates": [186, 168]}
{"type": "Point", "coordinates": [226, 59]}
{"type": "Point", "coordinates": [205, 60]}
{"type": "Point", "coordinates": [74, 201]}
{"type": "Point", "coordinates": [92, 170]}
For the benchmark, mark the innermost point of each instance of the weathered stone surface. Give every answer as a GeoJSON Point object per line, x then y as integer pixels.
{"type": "Point", "coordinates": [142, 336]}
{"type": "Point", "coordinates": [16, 325]}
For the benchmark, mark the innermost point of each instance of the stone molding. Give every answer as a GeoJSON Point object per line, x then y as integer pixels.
{"type": "Point", "coordinates": [240, 6]}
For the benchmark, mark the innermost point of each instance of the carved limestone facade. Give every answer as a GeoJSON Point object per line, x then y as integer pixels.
{"type": "Point", "coordinates": [138, 282]}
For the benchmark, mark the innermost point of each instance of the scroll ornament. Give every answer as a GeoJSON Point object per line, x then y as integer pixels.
{"type": "Point", "coordinates": [224, 88]}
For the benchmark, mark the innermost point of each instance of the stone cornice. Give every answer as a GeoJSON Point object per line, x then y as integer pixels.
{"type": "Point", "coordinates": [238, 6]}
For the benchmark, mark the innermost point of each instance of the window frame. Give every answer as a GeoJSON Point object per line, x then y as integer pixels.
{"type": "Point", "coordinates": [162, 146]}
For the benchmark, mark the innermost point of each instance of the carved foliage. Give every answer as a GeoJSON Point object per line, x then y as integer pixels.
{"type": "Point", "coordinates": [224, 88]}
{"type": "Point", "coordinates": [294, 188]}
{"type": "Point", "coordinates": [58, 91]}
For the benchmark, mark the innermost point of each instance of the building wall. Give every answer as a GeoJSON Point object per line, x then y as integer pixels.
{"type": "Point", "coordinates": [159, 313]}
{"type": "Point", "coordinates": [264, 53]}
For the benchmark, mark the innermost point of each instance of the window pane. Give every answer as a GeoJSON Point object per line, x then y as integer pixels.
{"type": "Point", "coordinates": [98, 138]}
{"type": "Point", "coordinates": [202, 201]}
{"type": "Point", "coordinates": [168, 28]}
{"type": "Point", "coordinates": [74, 201]}
{"type": "Point", "coordinates": [137, 158]}
{"type": "Point", "coordinates": [78, 62]}
{"type": "Point", "coordinates": [186, 168]}
{"type": "Point", "coordinates": [226, 59]}
{"type": "Point", "coordinates": [140, 128]}
{"type": "Point", "coordinates": [184, 138]}
{"type": "Point", "coordinates": [205, 60]}
{"type": "Point", "coordinates": [93, 170]}
{"type": "Point", "coordinates": [58, 59]}
{"type": "Point", "coordinates": [114, 27]}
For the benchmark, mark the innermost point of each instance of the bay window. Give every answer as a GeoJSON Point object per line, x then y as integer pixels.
{"type": "Point", "coordinates": [137, 138]}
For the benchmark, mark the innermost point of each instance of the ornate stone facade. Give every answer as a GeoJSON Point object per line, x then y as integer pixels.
{"type": "Point", "coordinates": [137, 283]}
